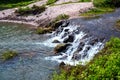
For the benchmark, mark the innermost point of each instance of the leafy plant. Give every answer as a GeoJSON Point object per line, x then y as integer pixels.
{"type": "Point", "coordinates": [104, 66]}
{"type": "Point", "coordinates": [33, 10]}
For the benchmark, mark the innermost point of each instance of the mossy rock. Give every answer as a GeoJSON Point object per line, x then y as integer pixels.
{"type": "Point", "coordinates": [8, 55]}
{"type": "Point", "coordinates": [44, 30]}
{"type": "Point", "coordinates": [61, 48]}
{"type": "Point", "coordinates": [117, 24]}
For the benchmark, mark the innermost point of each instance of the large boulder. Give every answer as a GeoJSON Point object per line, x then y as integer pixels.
{"type": "Point", "coordinates": [61, 48]}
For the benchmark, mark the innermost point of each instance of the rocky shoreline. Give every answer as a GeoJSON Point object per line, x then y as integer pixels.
{"type": "Point", "coordinates": [51, 12]}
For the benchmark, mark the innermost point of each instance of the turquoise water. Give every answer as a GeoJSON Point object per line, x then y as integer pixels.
{"type": "Point", "coordinates": [30, 64]}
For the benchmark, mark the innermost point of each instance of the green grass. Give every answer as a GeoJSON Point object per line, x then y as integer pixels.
{"type": "Point", "coordinates": [104, 66]}
{"type": "Point", "coordinates": [49, 2]}
{"type": "Point", "coordinates": [5, 4]}
{"type": "Point", "coordinates": [97, 11]}
{"type": "Point", "coordinates": [61, 17]}
{"type": "Point", "coordinates": [30, 11]}
{"type": "Point", "coordinates": [43, 30]}
{"type": "Point", "coordinates": [84, 0]}
{"type": "Point", "coordinates": [8, 55]}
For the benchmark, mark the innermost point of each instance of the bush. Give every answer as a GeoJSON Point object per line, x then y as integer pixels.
{"type": "Point", "coordinates": [51, 2]}
{"type": "Point", "coordinates": [107, 3]}
{"type": "Point", "coordinates": [34, 10]}
{"type": "Point", "coordinates": [8, 55]}
{"type": "Point", "coordinates": [104, 66]}
{"type": "Point", "coordinates": [5, 4]}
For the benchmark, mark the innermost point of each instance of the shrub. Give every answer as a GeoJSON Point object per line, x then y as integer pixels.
{"type": "Point", "coordinates": [33, 10]}
{"type": "Point", "coordinates": [8, 55]}
{"type": "Point", "coordinates": [104, 66]}
{"type": "Point", "coordinates": [107, 3]}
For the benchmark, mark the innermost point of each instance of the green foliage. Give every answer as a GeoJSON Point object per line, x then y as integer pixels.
{"type": "Point", "coordinates": [97, 11]}
{"type": "Point", "coordinates": [8, 55]}
{"type": "Point", "coordinates": [51, 2]}
{"type": "Point", "coordinates": [84, 0]}
{"type": "Point", "coordinates": [104, 66]}
{"type": "Point", "coordinates": [61, 17]}
{"type": "Point", "coordinates": [107, 3]}
{"type": "Point", "coordinates": [5, 4]}
{"type": "Point", "coordinates": [34, 10]}
{"type": "Point", "coordinates": [43, 30]}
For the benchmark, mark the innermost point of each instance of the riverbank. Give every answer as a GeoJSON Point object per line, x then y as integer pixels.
{"type": "Point", "coordinates": [51, 12]}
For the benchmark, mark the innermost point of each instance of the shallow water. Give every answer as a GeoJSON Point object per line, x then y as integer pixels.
{"type": "Point", "coordinates": [30, 64]}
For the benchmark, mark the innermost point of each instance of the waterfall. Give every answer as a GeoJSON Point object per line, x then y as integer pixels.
{"type": "Point", "coordinates": [82, 46]}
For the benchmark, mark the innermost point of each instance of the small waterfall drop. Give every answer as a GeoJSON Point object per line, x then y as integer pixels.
{"type": "Point", "coordinates": [82, 46]}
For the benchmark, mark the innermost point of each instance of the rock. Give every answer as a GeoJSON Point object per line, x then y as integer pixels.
{"type": "Point", "coordinates": [69, 39]}
{"type": "Point", "coordinates": [62, 65]}
{"type": "Point", "coordinates": [76, 56]}
{"type": "Point", "coordinates": [66, 30]}
{"type": "Point", "coordinates": [93, 41]}
{"type": "Point", "coordinates": [56, 41]}
{"type": "Point", "coordinates": [80, 47]}
{"type": "Point", "coordinates": [102, 39]}
{"type": "Point", "coordinates": [57, 24]}
{"type": "Point", "coordinates": [61, 48]}
{"type": "Point", "coordinates": [65, 34]}
{"type": "Point", "coordinates": [65, 24]}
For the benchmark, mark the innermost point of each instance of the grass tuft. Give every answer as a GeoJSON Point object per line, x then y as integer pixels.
{"type": "Point", "coordinates": [8, 55]}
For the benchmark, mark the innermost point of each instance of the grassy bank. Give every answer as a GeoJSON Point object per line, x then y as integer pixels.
{"type": "Point", "coordinates": [104, 66]}
{"type": "Point", "coordinates": [102, 7]}
{"type": "Point", "coordinates": [5, 4]}
{"type": "Point", "coordinates": [98, 11]}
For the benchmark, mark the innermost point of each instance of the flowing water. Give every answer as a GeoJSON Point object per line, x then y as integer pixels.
{"type": "Point", "coordinates": [30, 64]}
{"type": "Point", "coordinates": [36, 61]}
{"type": "Point", "coordinates": [86, 37]}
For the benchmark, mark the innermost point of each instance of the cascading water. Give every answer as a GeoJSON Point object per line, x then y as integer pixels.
{"type": "Point", "coordinates": [82, 46]}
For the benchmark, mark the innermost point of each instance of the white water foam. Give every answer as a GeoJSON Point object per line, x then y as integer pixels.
{"type": "Point", "coordinates": [68, 56]}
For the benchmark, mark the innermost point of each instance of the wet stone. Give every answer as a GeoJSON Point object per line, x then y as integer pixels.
{"type": "Point", "coordinates": [66, 30]}
{"type": "Point", "coordinates": [80, 47]}
{"type": "Point", "coordinates": [69, 39]}
{"type": "Point", "coordinates": [65, 24]}
{"type": "Point", "coordinates": [56, 41]}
